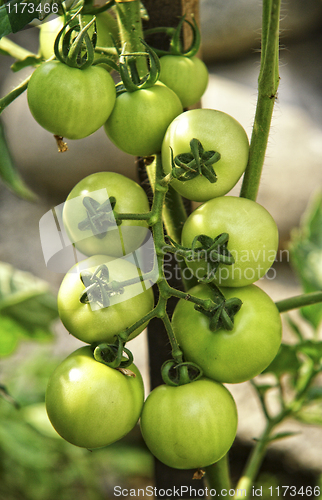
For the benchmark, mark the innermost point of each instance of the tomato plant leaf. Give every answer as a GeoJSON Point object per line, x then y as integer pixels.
{"type": "Point", "coordinates": [4, 393]}
{"type": "Point", "coordinates": [310, 414]}
{"type": "Point", "coordinates": [314, 393]}
{"type": "Point", "coordinates": [312, 349]}
{"type": "Point", "coordinates": [15, 15]}
{"type": "Point", "coordinates": [306, 256]}
{"type": "Point", "coordinates": [286, 361]}
{"type": "Point", "coordinates": [283, 435]}
{"type": "Point", "coordinates": [8, 172]}
{"type": "Point", "coordinates": [28, 61]}
{"type": "Point", "coordinates": [5, 27]}
{"type": "Point", "coordinates": [27, 308]}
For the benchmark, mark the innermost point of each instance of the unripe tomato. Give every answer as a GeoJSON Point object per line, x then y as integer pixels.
{"type": "Point", "coordinates": [70, 102]}
{"type": "Point", "coordinates": [91, 323]}
{"type": "Point", "coordinates": [186, 76]}
{"type": "Point", "coordinates": [253, 239]}
{"type": "Point", "coordinates": [190, 426]}
{"type": "Point", "coordinates": [217, 131]}
{"type": "Point", "coordinates": [140, 119]}
{"type": "Point", "coordinates": [235, 355]}
{"type": "Point", "coordinates": [90, 404]}
{"type": "Point", "coordinates": [118, 240]}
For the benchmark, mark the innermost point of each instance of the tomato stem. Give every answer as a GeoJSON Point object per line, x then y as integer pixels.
{"type": "Point", "coordinates": [268, 81]}
{"type": "Point", "coordinates": [16, 92]}
{"type": "Point", "coordinates": [218, 476]}
{"type": "Point", "coordinates": [131, 32]}
{"type": "Point", "coordinates": [303, 300]}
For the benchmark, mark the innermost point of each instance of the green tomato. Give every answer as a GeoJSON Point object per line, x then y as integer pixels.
{"type": "Point", "coordinates": [90, 322]}
{"type": "Point", "coordinates": [216, 131]}
{"type": "Point", "coordinates": [253, 239]}
{"type": "Point", "coordinates": [236, 355]}
{"type": "Point", "coordinates": [90, 404]}
{"type": "Point", "coordinates": [190, 426]}
{"type": "Point", "coordinates": [70, 102]}
{"type": "Point", "coordinates": [118, 240]}
{"type": "Point", "coordinates": [106, 26]}
{"type": "Point", "coordinates": [140, 119]}
{"type": "Point", "coordinates": [186, 76]}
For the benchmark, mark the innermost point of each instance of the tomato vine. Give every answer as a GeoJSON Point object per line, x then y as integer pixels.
{"type": "Point", "coordinates": [177, 167]}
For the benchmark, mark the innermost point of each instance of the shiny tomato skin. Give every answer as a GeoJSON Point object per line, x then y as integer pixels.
{"type": "Point", "coordinates": [253, 238]}
{"type": "Point", "coordinates": [92, 325]}
{"type": "Point", "coordinates": [119, 240]}
{"type": "Point", "coordinates": [140, 119]}
{"type": "Point", "coordinates": [230, 356]}
{"type": "Point", "coordinates": [70, 102]}
{"type": "Point", "coordinates": [190, 426]}
{"type": "Point", "coordinates": [90, 404]}
{"type": "Point", "coordinates": [217, 131]}
{"type": "Point", "coordinates": [186, 76]}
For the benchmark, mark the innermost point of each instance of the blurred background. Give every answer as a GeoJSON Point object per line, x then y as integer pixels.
{"type": "Point", "coordinates": [45, 467]}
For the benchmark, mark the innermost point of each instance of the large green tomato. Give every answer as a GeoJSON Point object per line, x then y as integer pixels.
{"type": "Point", "coordinates": [216, 131]}
{"type": "Point", "coordinates": [91, 322]}
{"type": "Point", "coordinates": [70, 102]}
{"type": "Point", "coordinates": [90, 404]}
{"type": "Point", "coordinates": [118, 240]}
{"type": "Point", "coordinates": [106, 26]}
{"type": "Point", "coordinates": [236, 355]}
{"type": "Point", "coordinates": [253, 239]}
{"type": "Point", "coordinates": [190, 426]}
{"type": "Point", "coordinates": [140, 119]}
{"type": "Point", "coordinates": [186, 76]}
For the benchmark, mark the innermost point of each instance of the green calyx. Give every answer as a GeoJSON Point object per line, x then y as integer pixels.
{"type": "Point", "coordinates": [213, 250]}
{"type": "Point", "coordinates": [131, 80]}
{"type": "Point", "coordinates": [175, 45]}
{"type": "Point", "coordinates": [98, 287]}
{"type": "Point", "coordinates": [187, 166]}
{"type": "Point", "coordinates": [176, 374]}
{"type": "Point", "coordinates": [73, 45]}
{"type": "Point", "coordinates": [100, 216]}
{"type": "Point", "coordinates": [114, 355]}
{"type": "Point", "coordinates": [223, 312]}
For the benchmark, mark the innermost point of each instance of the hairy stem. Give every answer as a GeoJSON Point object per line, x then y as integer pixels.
{"type": "Point", "coordinates": [130, 29]}
{"type": "Point", "coordinates": [267, 89]}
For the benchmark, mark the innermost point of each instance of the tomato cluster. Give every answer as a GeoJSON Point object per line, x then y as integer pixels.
{"type": "Point", "coordinates": [226, 328]}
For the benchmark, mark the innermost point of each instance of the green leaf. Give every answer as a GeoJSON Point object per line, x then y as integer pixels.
{"type": "Point", "coordinates": [283, 435]}
{"type": "Point", "coordinates": [286, 361]}
{"type": "Point", "coordinates": [15, 15]}
{"type": "Point", "coordinates": [9, 174]}
{"type": "Point", "coordinates": [310, 414]}
{"type": "Point", "coordinates": [306, 256]}
{"type": "Point", "coordinates": [10, 333]}
{"type": "Point", "coordinates": [7, 396]}
{"type": "Point", "coordinates": [314, 393]}
{"type": "Point", "coordinates": [27, 308]}
{"type": "Point", "coordinates": [5, 27]}
{"type": "Point", "coordinates": [312, 349]}
{"type": "Point", "coordinates": [24, 63]}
